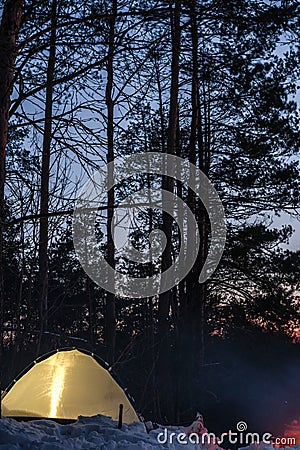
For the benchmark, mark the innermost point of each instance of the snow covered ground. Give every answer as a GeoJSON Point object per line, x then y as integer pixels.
{"type": "Point", "coordinates": [97, 432]}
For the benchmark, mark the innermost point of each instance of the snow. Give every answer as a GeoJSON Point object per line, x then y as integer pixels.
{"type": "Point", "coordinates": [98, 432]}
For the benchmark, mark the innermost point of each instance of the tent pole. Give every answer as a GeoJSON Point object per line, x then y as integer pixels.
{"type": "Point", "coordinates": [120, 417]}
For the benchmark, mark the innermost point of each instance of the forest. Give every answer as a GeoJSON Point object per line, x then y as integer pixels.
{"type": "Point", "coordinates": [86, 83]}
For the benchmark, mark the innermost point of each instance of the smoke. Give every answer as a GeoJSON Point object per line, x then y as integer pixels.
{"type": "Point", "coordinates": [256, 381]}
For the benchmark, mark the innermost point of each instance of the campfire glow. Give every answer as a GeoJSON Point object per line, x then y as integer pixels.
{"type": "Point", "coordinates": [293, 430]}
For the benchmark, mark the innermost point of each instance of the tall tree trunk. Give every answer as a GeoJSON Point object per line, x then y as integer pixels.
{"type": "Point", "coordinates": [110, 317]}
{"type": "Point", "coordinates": [199, 292]}
{"type": "Point", "coordinates": [192, 301]}
{"type": "Point", "coordinates": [91, 308]}
{"type": "Point", "coordinates": [19, 336]}
{"type": "Point", "coordinates": [181, 301]}
{"type": "Point", "coordinates": [193, 319]}
{"type": "Point", "coordinates": [203, 221]}
{"type": "Point", "coordinates": [168, 185]}
{"type": "Point", "coordinates": [45, 177]}
{"type": "Point", "coordinates": [9, 29]}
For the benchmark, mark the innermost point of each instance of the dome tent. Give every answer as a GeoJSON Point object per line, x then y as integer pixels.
{"type": "Point", "coordinates": [64, 385]}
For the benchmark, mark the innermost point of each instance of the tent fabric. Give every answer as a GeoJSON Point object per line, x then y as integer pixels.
{"type": "Point", "coordinates": [66, 385]}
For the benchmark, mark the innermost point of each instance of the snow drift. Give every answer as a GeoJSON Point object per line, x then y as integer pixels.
{"type": "Point", "coordinates": [98, 432]}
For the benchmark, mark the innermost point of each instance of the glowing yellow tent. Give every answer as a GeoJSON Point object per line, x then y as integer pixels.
{"type": "Point", "coordinates": [65, 385]}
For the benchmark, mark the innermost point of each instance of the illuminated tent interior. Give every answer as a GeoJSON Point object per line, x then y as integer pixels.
{"type": "Point", "coordinates": [65, 385]}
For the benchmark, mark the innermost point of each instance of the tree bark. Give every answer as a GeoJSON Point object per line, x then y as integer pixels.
{"type": "Point", "coordinates": [9, 29]}
{"type": "Point", "coordinates": [110, 317]}
{"type": "Point", "coordinates": [45, 178]}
